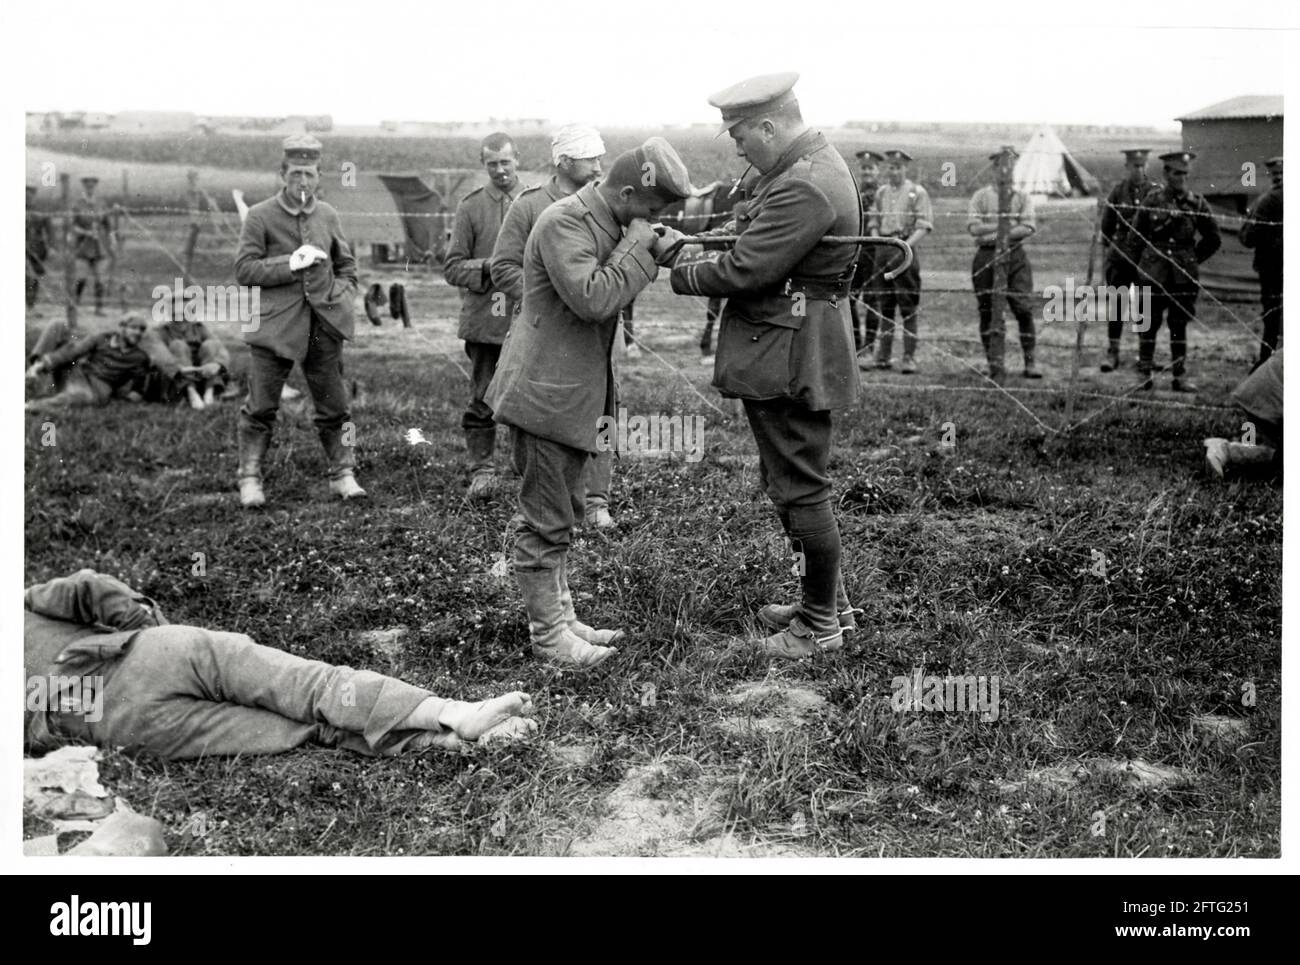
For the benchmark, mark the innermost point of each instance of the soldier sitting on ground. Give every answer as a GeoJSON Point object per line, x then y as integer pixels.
{"type": "Point", "coordinates": [93, 369]}
{"type": "Point", "coordinates": [203, 358]}
{"type": "Point", "coordinates": [104, 666]}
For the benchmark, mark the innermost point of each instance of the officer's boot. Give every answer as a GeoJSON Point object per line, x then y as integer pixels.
{"type": "Point", "coordinates": [549, 632]}
{"type": "Point", "coordinates": [580, 629]}
{"type": "Point", "coordinates": [1112, 357]}
{"type": "Point", "coordinates": [815, 626]}
{"type": "Point", "coordinates": [1146, 358]}
{"type": "Point", "coordinates": [252, 450]}
{"type": "Point", "coordinates": [1180, 382]}
{"type": "Point", "coordinates": [342, 460]}
{"type": "Point", "coordinates": [77, 289]}
{"type": "Point", "coordinates": [480, 445]}
{"type": "Point", "coordinates": [99, 298]}
{"type": "Point", "coordinates": [1031, 370]}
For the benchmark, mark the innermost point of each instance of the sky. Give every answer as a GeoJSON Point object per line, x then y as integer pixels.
{"type": "Point", "coordinates": [640, 63]}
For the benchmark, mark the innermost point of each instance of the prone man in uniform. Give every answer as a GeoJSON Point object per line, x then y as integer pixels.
{"type": "Point", "coordinates": [39, 236]}
{"type": "Point", "coordinates": [862, 300]}
{"type": "Point", "coordinates": [588, 256]}
{"type": "Point", "coordinates": [983, 225]}
{"type": "Point", "coordinates": [485, 309]}
{"type": "Point", "coordinates": [576, 151]}
{"type": "Point", "coordinates": [785, 344]}
{"type": "Point", "coordinates": [1178, 233]}
{"type": "Point", "coordinates": [1262, 230]}
{"type": "Point", "coordinates": [902, 210]}
{"type": "Point", "coordinates": [1123, 246]}
{"type": "Point", "coordinates": [293, 249]}
{"type": "Point", "coordinates": [91, 240]}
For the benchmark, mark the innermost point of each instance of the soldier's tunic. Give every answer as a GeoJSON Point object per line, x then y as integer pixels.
{"type": "Point", "coordinates": [485, 309]}
{"type": "Point", "coordinates": [785, 345]}
{"type": "Point", "coordinates": [1178, 232]}
{"type": "Point", "coordinates": [507, 266]}
{"type": "Point", "coordinates": [1262, 230]}
{"type": "Point", "coordinates": [90, 228]}
{"type": "Point", "coordinates": [556, 376]}
{"type": "Point", "coordinates": [1123, 246]}
{"type": "Point", "coordinates": [97, 367]}
{"type": "Point", "coordinates": [899, 211]}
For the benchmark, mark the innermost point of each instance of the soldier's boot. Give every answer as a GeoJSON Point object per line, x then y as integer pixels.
{"type": "Point", "coordinates": [1180, 382]}
{"type": "Point", "coordinates": [1146, 363]}
{"type": "Point", "coordinates": [196, 400]}
{"type": "Point", "coordinates": [816, 626]}
{"type": "Point", "coordinates": [580, 629]}
{"type": "Point", "coordinates": [1112, 357]}
{"type": "Point", "coordinates": [777, 616]}
{"type": "Point", "coordinates": [77, 289]}
{"type": "Point", "coordinates": [1031, 370]}
{"type": "Point", "coordinates": [99, 298]}
{"type": "Point", "coordinates": [342, 461]}
{"type": "Point", "coordinates": [480, 445]}
{"type": "Point", "coordinates": [549, 632]}
{"type": "Point", "coordinates": [252, 451]}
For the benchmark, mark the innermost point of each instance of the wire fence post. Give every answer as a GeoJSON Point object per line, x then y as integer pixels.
{"type": "Point", "coordinates": [997, 320]}
{"type": "Point", "coordinates": [69, 252]}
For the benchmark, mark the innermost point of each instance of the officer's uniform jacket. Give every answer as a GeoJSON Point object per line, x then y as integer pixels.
{"type": "Point", "coordinates": [1262, 230]}
{"type": "Point", "coordinates": [1119, 219]}
{"type": "Point", "coordinates": [90, 229]}
{"type": "Point", "coordinates": [555, 377]}
{"type": "Point", "coordinates": [1178, 233]}
{"type": "Point", "coordinates": [485, 310]}
{"type": "Point", "coordinates": [785, 332]}
{"type": "Point", "coordinates": [273, 230]}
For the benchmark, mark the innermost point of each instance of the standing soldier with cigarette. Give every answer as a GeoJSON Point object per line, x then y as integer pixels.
{"type": "Point", "coordinates": [1262, 230]}
{"type": "Point", "coordinates": [1178, 232]}
{"type": "Point", "coordinates": [485, 309]}
{"type": "Point", "coordinates": [785, 345]}
{"type": "Point", "coordinates": [293, 251]}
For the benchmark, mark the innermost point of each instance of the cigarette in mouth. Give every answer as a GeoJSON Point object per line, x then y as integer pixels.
{"type": "Point", "coordinates": [304, 195]}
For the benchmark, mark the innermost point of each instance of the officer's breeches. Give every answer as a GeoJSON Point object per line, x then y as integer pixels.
{"type": "Point", "coordinates": [1176, 308]}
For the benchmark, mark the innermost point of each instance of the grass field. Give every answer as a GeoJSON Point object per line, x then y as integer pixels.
{"type": "Point", "coordinates": [1127, 724]}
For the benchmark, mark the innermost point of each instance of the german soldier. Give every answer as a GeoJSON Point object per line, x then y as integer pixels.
{"type": "Point", "coordinates": [902, 210]}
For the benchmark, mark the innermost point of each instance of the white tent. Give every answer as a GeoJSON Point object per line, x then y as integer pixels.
{"type": "Point", "coordinates": [1045, 167]}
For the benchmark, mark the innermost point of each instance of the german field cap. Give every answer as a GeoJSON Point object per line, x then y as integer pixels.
{"type": "Point", "coordinates": [753, 97]}
{"type": "Point", "coordinates": [1274, 163]}
{"type": "Point", "coordinates": [301, 149]}
{"type": "Point", "coordinates": [872, 155]}
{"type": "Point", "coordinates": [663, 169]}
{"type": "Point", "coordinates": [1136, 153]}
{"type": "Point", "coordinates": [897, 156]}
{"type": "Point", "coordinates": [1178, 160]}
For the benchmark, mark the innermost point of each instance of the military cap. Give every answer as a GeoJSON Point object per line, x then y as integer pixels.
{"type": "Point", "coordinates": [753, 98]}
{"type": "Point", "coordinates": [90, 179]}
{"type": "Point", "coordinates": [1004, 149]}
{"type": "Point", "coordinates": [897, 157]}
{"type": "Point", "coordinates": [668, 172]}
{"type": "Point", "coordinates": [1133, 154]}
{"type": "Point", "coordinates": [1178, 161]}
{"type": "Point", "coordinates": [301, 149]}
{"type": "Point", "coordinates": [873, 155]}
{"type": "Point", "coordinates": [1274, 163]}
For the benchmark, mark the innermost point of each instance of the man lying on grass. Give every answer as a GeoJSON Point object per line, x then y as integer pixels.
{"type": "Point", "coordinates": [93, 369]}
{"type": "Point", "coordinates": [102, 665]}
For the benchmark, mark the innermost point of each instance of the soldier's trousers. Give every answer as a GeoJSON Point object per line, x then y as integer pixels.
{"type": "Point", "coordinates": [902, 293]}
{"type": "Point", "coordinates": [1270, 296]}
{"type": "Point", "coordinates": [185, 692]}
{"type": "Point", "coordinates": [1020, 285]}
{"type": "Point", "coordinates": [483, 357]}
{"type": "Point", "coordinates": [599, 476]}
{"type": "Point", "coordinates": [552, 498]}
{"type": "Point", "coordinates": [209, 350]}
{"type": "Point", "coordinates": [1119, 273]}
{"type": "Point", "coordinates": [1177, 308]}
{"type": "Point", "coordinates": [794, 444]}
{"type": "Point", "coordinates": [862, 303]}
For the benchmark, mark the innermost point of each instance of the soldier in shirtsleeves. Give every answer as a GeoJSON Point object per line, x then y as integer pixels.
{"type": "Point", "coordinates": [485, 309]}
{"type": "Point", "coordinates": [292, 247]}
{"type": "Point", "coordinates": [588, 256]}
{"type": "Point", "coordinates": [576, 152]}
{"type": "Point", "coordinates": [1119, 237]}
{"type": "Point", "coordinates": [94, 369]}
{"type": "Point", "coordinates": [1262, 230]}
{"type": "Point", "coordinates": [785, 345]}
{"type": "Point", "coordinates": [40, 235]}
{"type": "Point", "coordinates": [862, 299]}
{"type": "Point", "coordinates": [1178, 232]}
{"type": "Point", "coordinates": [204, 358]}
{"type": "Point", "coordinates": [983, 226]}
{"type": "Point", "coordinates": [91, 240]}
{"type": "Point", "coordinates": [102, 665]}
{"type": "Point", "coordinates": [902, 210]}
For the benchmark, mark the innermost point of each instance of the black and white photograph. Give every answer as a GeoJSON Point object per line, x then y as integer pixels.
{"type": "Point", "coordinates": [736, 438]}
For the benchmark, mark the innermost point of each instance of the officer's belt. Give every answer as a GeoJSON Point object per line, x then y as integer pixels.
{"type": "Point", "coordinates": [818, 289]}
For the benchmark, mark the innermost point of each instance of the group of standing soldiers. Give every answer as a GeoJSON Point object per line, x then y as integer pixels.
{"type": "Point", "coordinates": [92, 240]}
{"type": "Point", "coordinates": [1155, 235]}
